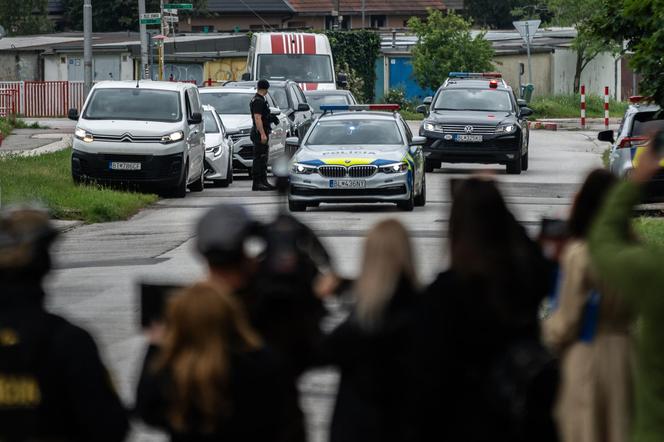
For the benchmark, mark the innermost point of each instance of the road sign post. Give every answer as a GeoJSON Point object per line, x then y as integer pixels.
{"type": "Point", "coordinates": [527, 29]}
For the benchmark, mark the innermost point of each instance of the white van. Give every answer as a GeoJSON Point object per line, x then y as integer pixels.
{"type": "Point", "coordinates": [303, 58]}
{"type": "Point", "coordinates": [146, 133]}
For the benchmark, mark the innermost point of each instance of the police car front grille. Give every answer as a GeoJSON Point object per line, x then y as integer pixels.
{"type": "Point", "coordinates": [362, 171]}
{"type": "Point", "coordinates": [332, 171]}
{"type": "Point", "coordinates": [477, 129]}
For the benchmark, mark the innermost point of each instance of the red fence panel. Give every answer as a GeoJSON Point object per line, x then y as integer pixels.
{"type": "Point", "coordinates": [9, 101]}
{"type": "Point", "coordinates": [46, 98]}
{"type": "Point", "coordinates": [76, 95]}
{"type": "Point", "coordinates": [16, 90]}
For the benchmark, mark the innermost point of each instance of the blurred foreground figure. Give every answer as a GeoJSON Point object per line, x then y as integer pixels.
{"type": "Point", "coordinates": [372, 347]}
{"type": "Point", "coordinates": [53, 385]}
{"type": "Point", "coordinates": [482, 374]}
{"type": "Point", "coordinates": [208, 376]}
{"type": "Point", "coordinates": [590, 329]}
{"type": "Point", "coordinates": [634, 269]}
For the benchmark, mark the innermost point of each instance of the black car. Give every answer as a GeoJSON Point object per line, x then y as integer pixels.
{"type": "Point", "coordinates": [475, 118]}
{"type": "Point", "coordinates": [292, 102]}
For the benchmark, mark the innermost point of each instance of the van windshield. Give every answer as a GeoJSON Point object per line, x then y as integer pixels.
{"type": "Point", "coordinates": [301, 68]}
{"type": "Point", "coordinates": [134, 104]}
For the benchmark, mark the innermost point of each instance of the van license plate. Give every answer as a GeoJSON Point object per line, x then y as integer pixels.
{"type": "Point", "coordinates": [348, 184]}
{"type": "Point", "coordinates": [116, 165]}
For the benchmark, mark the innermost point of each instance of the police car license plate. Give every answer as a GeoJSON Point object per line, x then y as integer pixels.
{"type": "Point", "coordinates": [348, 184]}
{"type": "Point", "coordinates": [117, 165]}
{"type": "Point", "coordinates": [468, 138]}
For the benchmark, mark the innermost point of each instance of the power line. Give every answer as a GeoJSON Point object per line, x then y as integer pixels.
{"type": "Point", "coordinates": [257, 15]}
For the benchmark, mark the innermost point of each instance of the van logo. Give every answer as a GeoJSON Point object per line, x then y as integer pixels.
{"type": "Point", "coordinates": [468, 129]}
{"type": "Point", "coordinates": [125, 138]}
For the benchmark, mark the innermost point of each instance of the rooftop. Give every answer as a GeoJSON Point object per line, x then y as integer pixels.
{"type": "Point", "coordinates": [353, 7]}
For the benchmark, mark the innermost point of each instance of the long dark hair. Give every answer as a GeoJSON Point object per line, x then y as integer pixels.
{"type": "Point", "coordinates": [588, 201]}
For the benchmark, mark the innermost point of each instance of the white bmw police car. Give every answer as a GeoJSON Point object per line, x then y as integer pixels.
{"type": "Point", "coordinates": [357, 154]}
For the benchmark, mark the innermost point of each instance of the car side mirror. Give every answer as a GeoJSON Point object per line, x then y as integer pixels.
{"type": "Point", "coordinates": [418, 141]}
{"type": "Point", "coordinates": [303, 107]}
{"type": "Point", "coordinates": [526, 112]}
{"type": "Point", "coordinates": [342, 80]}
{"type": "Point", "coordinates": [246, 76]}
{"type": "Point", "coordinates": [422, 109]}
{"type": "Point", "coordinates": [521, 102]}
{"type": "Point", "coordinates": [606, 135]}
{"type": "Point", "coordinates": [427, 101]}
{"type": "Point", "coordinates": [72, 114]}
{"type": "Point", "coordinates": [196, 118]}
{"type": "Point", "coordinates": [293, 142]}
{"type": "Point", "coordinates": [275, 111]}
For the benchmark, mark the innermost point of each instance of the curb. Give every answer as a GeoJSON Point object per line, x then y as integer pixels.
{"type": "Point", "coordinates": [64, 226]}
{"type": "Point", "coordinates": [542, 125]}
{"type": "Point", "coordinates": [56, 146]}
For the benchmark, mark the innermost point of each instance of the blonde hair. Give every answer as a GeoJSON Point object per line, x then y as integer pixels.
{"type": "Point", "coordinates": [204, 324]}
{"type": "Point", "coordinates": [388, 258]}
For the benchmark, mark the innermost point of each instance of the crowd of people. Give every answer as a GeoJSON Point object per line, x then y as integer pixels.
{"type": "Point", "coordinates": [515, 341]}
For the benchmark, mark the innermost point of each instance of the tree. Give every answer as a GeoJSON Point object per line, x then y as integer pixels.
{"type": "Point", "coordinates": [355, 54]}
{"type": "Point", "coordinates": [639, 24]}
{"type": "Point", "coordinates": [494, 14]}
{"type": "Point", "coordinates": [445, 44]}
{"type": "Point", "coordinates": [25, 17]}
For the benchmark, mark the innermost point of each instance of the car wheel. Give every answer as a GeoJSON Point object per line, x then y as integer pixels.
{"type": "Point", "coordinates": [430, 166]}
{"type": "Point", "coordinates": [524, 162]}
{"type": "Point", "coordinates": [514, 166]}
{"type": "Point", "coordinates": [295, 206]}
{"type": "Point", "coordinates": [199, 184]}
{"type": "Point", "coordinates": [180, 190]}
{"type": "Point", "coordinates": [421, 199]}
{"type": "Point", "coordinates": [409, 204]}
{"type": "Point", "coordinates": [229, 178]}
{"type": "Point", "coordinates": [77, 179]}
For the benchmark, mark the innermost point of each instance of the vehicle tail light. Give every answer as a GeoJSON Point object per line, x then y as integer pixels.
{"type": "Point", "coordinates": [631, 141]}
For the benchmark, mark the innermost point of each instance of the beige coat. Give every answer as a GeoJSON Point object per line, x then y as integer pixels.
{"type": "Point", "coordinates": [595, 396]}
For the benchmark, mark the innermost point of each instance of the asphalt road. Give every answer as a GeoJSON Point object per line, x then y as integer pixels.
{"type": "Point", "coordinates": [99, 265]}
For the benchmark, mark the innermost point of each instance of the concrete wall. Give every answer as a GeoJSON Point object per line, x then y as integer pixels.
{"type": "Point", "coordinates": [542, 64]}
{"type": "Point", "coordinates": [600, 72]}
{"type": "Point", "coordinates": [19, 66]}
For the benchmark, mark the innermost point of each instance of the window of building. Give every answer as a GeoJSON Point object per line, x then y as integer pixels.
{"type": "Point", "coordinates": [203, 28]}
{"type": "Point", "coordinates": [331, 22]}
{"type": "Point", "coordinates": [378, 21]}
{"type": "Point", "coordinates": [297, 24]}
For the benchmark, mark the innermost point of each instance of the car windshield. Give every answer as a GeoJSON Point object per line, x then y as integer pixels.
{"type": "Point", "coordinates": [228, 102]}
{"type": "Point", "coordinates": [317, 100]}
{"type": "Point", "coordinates": [301, 68]}
{"type": "Point", "coordinates": [355, 132]}
{"type": "Point", "coordinates": [134, 104]}
{"type": "Point", "coordinates": [490, 100]}
{"type": "Point", "coordinates": [646, 123]}
{"type": "Point", "coordinates": [211, 126]}
{"type": "Point", "coordinates": [279, 96]}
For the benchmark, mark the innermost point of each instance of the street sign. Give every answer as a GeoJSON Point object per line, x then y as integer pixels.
{"type": "Point", "coordinates": [150, 15]}
{"type": "Point", "coordinates": [171, 19]}
{"type": "Point", "coordinates": [150, 21]}
{"type": "Point", "coordinates": [527, 29]}
{"type": "Point", "coordinates": [179, 6]}
{"type": "Point", "coordinates": [171, 11]}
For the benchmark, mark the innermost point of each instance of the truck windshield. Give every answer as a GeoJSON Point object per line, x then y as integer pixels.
{"type": "Point", "coordinates": [490, 100]}
{"type": "Point", "coordinates": [355, 132]}
{"type": "Point", "coordinates": [134, 104]}
{"type": "Point", "coordinates": [301, 68]}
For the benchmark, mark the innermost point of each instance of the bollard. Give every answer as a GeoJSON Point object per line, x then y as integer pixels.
{"type": "Point", "coordinates": [209, 81]}
{"type": "Point", "coordinates": [583, 106]}
{"type": "Point", "coordinates": [606, 107]}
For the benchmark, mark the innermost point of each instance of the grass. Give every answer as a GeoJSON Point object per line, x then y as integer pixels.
{"type": "Point", "coordinates": [410, 115]}
{"type": "Point", "coordinates": [11, 123]}
{"type": "Point", "coordinates": [651, 230]}
{"type": "Point", "coordinates": [568, 106]}
{"type": "Point", "coordinates": [605, 157]}
{"type": "Point", "coordinates": [46, 180]}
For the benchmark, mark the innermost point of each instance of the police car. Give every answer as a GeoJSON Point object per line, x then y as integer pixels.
{"type": "Point", "coordinates": [475, 118]}
{"type": "Point", "coordinates": [358, 154]}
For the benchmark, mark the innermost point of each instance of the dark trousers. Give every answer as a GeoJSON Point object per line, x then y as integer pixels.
{"type": "Point", "coordinates": [259, 166]}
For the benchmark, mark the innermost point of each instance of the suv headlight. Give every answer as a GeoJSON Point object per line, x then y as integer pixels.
{"type": "Point", "coordinates": [429, 126]}
{"type": "Point", "coordinates": [215, 150]}
{"type": "Point", "coordinates": [395, 168]}
{"type": "Point", "coordinates": [506, 129]}
{"type": "Point", "coordinates": [81, 134]}
{"type": "Point", "coordinates": [303, 169]}
{"type": "Point", "coordinates": [175, 136]}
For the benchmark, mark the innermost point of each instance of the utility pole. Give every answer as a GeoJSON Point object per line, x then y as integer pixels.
{"type": "Point", "coordinates": [144, 42]}
{"type": "Point", "coordinates": [530, 68]}
{"type": "Point", "coordinates": [338, 15]}
{"type": "Point", "coordinates": [363, 8]}
{"type": "Point", "coordinates": [161, 45]}
{"type": "Point", "coordinates": [87, 46]}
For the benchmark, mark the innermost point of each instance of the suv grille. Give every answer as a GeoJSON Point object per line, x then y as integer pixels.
{"type": "Point", "coordinates": [478, 129]}
{"type": "Point", "coordinates": [362, 171]}
{"type": "Point", "coordinates": [332, 171]}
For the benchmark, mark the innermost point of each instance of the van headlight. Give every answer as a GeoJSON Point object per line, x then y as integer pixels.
{"type": "Point", "coordinates": [303, 169]}
{"type": "Point", "coordinates": [395, 168]}
{"type": "Point", "coordinates": [175, 136]}
{"type": "Point", "coordinates": [506, 129]}
{"type": "Point", "coordinates": [214, 150]}
{"type": "Point", "coordinates": [83, 135]}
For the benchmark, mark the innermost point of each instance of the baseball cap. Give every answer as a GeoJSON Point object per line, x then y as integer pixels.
{"type": "Point", "coordinates": [222, 232]}
{"type": "Point", "coordinates": [263, 84]}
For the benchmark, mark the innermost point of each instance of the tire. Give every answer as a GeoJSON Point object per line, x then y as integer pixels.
{"type": "Point", "coordinates": [295, 206]}
{"type": "Point", "coordinates": [430, 166]}
{"type": "Point", "coordinates": [180, 190]}
{"type": "Point", "coordinates": [514, 166]}
{"type": "Point", "coordinates": [421, 199]}
{"type": "Point", "coordinates": [524, 162]}
{"type": "Point", "coordinates": [229, 178]}
{"type": "Point", "coordinates": [199, 184]}
{"type": "Point", "coordinates": [409, 204]}
{"type": "Point", "coordinates": [77, 180]}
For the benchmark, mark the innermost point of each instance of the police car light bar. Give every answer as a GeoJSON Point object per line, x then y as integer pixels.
{"type": "Point", "coordinates": [475, 75]}
{"type": "Point", "coordinates": [359, 107]}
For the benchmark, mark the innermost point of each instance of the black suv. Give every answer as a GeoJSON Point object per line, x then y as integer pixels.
{"type": "Point", "coordinates": [292, 102]}
{"type": "Point", "coordinates": [475, 118]}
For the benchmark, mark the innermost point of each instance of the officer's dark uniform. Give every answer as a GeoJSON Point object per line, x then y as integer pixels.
{"type": "Point", "coordinates": [259, 105]}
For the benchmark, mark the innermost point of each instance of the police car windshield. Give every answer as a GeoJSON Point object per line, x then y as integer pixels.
{"type": "Point", "coordinates": [355, 132]}
{"type": "Point", "coordinates": [226, 103]}
{"type": "Point", "coordinates": [210, 123]}
{"type": "Point", "coordinates": [134, 104]}
{"type": "Point", "coordinates": [490, 100]}
{"type": "Point", "coordinates": [301, 68]}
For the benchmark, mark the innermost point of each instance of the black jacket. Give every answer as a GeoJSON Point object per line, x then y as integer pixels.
{"type": "Point", "coordinates": [66, 393]}
{"type": "Point", "coordinates": [259, 392]}
{"type": "Point", "coordinates": [374, 374]}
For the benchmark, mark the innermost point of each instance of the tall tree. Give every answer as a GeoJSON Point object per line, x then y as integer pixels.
{"type": "Point", "coordinates": [446, 44]}
{"type": "Point", "coordinates": [493, 14]}
{"type": "Point", "coordinates": [23, 17]}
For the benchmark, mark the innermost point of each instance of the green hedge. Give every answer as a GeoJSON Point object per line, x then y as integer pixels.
{"type": "Point", "coordinates": [355, 53]}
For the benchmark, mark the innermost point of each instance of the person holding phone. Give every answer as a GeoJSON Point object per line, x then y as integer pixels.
{"type": "Point", "coordinates": [634, 269]}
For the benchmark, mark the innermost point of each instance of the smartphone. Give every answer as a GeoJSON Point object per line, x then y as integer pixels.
{"type": "Point", "coordinates": [658, 143]}
{"type": "Point", "coordinates": [153, 299]}
{"type": "Point", "coordinates": [553, 229]}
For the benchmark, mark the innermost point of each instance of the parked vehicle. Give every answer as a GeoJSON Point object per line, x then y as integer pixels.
{"type": "Point", "coordinates": [218, 149]}
{"type": "Point", "coordinates": [318, 98]}
{"type": "Point", "coordinates": [475, 118]}
{"type": "Point", "coordinates": [145, 133]}
{"type": "Point", "coordinates": [232, 105]}
{"type": "Point", "coordinates": [303, 58]}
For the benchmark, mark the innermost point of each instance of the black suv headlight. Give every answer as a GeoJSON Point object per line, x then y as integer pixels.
{"type": "Point", "coordinates": [506, 129]}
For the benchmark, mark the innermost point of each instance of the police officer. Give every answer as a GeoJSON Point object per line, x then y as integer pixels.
{"type": "Point", "coordinates": [53, 385]}
{"type": "Point", "coordinates": [260, 133]}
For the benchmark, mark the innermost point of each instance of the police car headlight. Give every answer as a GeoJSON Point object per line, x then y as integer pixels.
{"type": "Point", "coordinates": [395, 168]}
{"type": "Point", "coordinates": [506, 129]}
{"type": "Point", "coordinates": [214, 150]}
{"type": "Point", "coordinates": [175, 136]}
{"type": "Point", "coordinates": [303, 169]}
{"type": "Point", "coordinates": [81, 134]}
